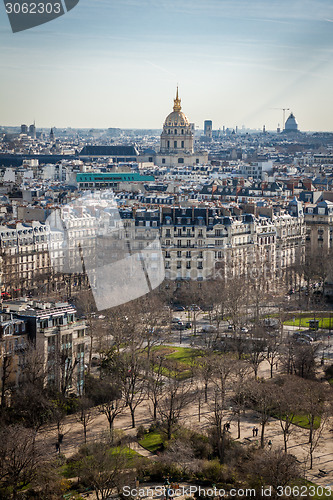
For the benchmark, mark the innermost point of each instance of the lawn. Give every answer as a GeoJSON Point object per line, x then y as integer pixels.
{"type": "Point", "coordinates": [303, 322]}
{"type": "Point", "coordinates": [302, 421]}
{"type": "Point", "coordinates": [177, 360]}
{"type": "Point", "coordinates": [319, 491]}
{"type": "Point", "coordinates": [152, 441]}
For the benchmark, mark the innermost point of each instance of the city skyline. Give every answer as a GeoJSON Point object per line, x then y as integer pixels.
{"type": "Point", "coordinates": [117, 65]}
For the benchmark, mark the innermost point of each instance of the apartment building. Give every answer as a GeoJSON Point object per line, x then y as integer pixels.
{"type": "Point", "coordinates": [23, 256]}
{"type": "Point", "coordinates": [13, 343]}
{"type": "Point", "coordinates": [58, 335]}
{"type": "Point", "coordinates": [200, 243]}
{"type": "Point", "coordinates": [319, 227]}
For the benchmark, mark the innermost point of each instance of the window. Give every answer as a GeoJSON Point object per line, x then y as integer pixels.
{"type": "Point", "coordinates": [179, 254]}
{"type": "Point", "coordinates": [188, 243]}
{"type": "Point", "coordinates": [180, 160]}
{"type": "Point", "coordinates": [168, 144]}
{"type": "Point", "coordinates": [182, 131]}
{"type": "Point", "coordinates": [188, 265]}
{"type": "Point", "coordinates": [168, 233]}
{"type": "Point", "coordinates": [182, 144]}
{"type": "Point", "coordinates": [179, 264]}
{"type": "Point", "coordinates": [188, 254]}
{"type": "Point", "coordinates": [175, 144]}
{"type": "Point", "coordinates": [199, 265]}
{"type": "Point", "coordinates": [200, 255]}
{"type": "Point", "coordinates": [167, 255]}
{"type": "Point", "coordinates": [163, 160]}
{"type": "Point", "coordinates": [175, 131]}
{"type": "Point", "coordinates": [197, 161]}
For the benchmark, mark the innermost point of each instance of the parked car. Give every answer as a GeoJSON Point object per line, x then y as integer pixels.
{"type": "Point", "coordinates": [180, 326]}
{"type": "Point", "coordinates": [244, 330]}
{"type": "Point", "coordinates": [176, 320]}
{"type": "Point", "coordinates": [208, 328]}
{"type": "Point", "coordinates": [179, 308]}
{"type": "Point", "coordinates": [188, 324]}
{"type": "Point", "coordinates": [194, 307]}
{"type": "Point", "coordinates": [302, 340]}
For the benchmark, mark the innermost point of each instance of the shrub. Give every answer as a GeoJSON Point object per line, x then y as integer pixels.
{"type": "Point", "coordinates": [213, 472]}
{"type": "Point", "coordinates": [140, 432]}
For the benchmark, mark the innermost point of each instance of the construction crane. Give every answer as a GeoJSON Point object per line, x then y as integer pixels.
{"type": "Point", "coordinates": [284, 114]}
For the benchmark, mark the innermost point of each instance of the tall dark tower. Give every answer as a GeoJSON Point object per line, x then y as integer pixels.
{"type": "Point", "coordinates": [208, 128]}
{"type": "Point", "coordinates": [32, 130]}
{"type": "Point", "coordinates": [52, 135]}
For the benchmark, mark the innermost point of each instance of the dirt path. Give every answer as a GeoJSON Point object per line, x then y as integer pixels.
{"type": "Point", "coordinates": [298, 440]}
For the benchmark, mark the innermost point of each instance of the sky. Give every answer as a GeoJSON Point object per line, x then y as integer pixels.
{"type": "Point", "coordinates": [116, 63]}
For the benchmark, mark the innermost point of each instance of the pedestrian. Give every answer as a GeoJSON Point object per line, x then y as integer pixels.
{"type": "Point", "coordinates": [227, 426]}
{"type": "Point", "coordinates": [254, 431]}
{"type": "Point", "coordinates": [270, 444]}
{"type": "Point", "coordinates": [257, 430]}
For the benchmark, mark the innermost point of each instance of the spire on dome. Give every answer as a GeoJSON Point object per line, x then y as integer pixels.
{"type": "Point", "coordinates": [177, 106]}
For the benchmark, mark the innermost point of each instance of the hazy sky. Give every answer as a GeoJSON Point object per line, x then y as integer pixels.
{"type": "Point", "coordinates": [116, 63]}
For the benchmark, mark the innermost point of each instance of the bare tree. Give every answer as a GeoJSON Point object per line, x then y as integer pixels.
{"type": "Point", "coordinates": [5, 378]}
{"type": "Point", "coordinates": [19, 458]}
{"type": "Point", "coordinates": [239, 397]}
{"type": "Point", "coordinates": [86, 414]}
{"type": "Point", "coordinates": [105, 470]}
{"type": "Point", "coordinates": [177, 395]}
{"type": "Point", "coordinates": [273, 350]}
{"type": "Point", "coordinates": [288, 405]}
{"type": "Point", "coordinates": [223, 367]}
{"type": "Point", "coordinates": [257, 351]}
{"type": "Point", "coordinates": [206, 369]}
{"type": "Point", "coordinates": [262, 398]}
{"type": "Point", "coordinates": [274, 468]}
{"type": "Point", "coordinates": [314, 401]}
{"type": "Point", "coordinates": [155, 389]}
{"type": "Point", "coordinates": [133, 382]}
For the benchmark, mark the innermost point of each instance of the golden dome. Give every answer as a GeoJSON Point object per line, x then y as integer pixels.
{"type": "Point", "coordinates": [176, 119]}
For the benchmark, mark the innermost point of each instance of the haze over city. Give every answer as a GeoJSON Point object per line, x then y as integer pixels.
{"type": "Point", "coordinates": [117, 64]}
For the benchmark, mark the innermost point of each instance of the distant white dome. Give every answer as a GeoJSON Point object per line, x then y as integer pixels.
{"type": "Point", "coordinates": [291, 124]}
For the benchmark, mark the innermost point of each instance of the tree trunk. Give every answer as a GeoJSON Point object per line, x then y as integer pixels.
{"type": "Point", "coordinates": [85, 432]}
{"type": "Point", "coordinates": [238, 426]}
{"type": "Point", "coordinates": [285, 440]}
{"type": "Point", "coordinates": [169, 430]}
{"type": "Point", "coordinates": [262, 435]}
{"type": "Point", "coordinates": [132, 416]}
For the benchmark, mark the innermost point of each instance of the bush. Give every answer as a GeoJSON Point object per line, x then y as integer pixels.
{"type": "Point", "coordinates": [141, 432]}
{"type": "Point", "coordinates": [155, 426]}
{"type": "Point", "coordinates": [213, 472]}
{"type": "Point", "coordinates": [329, 372]}
{"type": "Point", "coordinates": [158, 471]}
